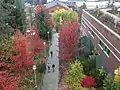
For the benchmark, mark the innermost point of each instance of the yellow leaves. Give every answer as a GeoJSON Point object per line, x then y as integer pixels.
{"type": "Point", "coordinates": [117, 78]}
{"type": "Point", "coordinates": [61, 16]}
{"type": "Point", "coordinates": [117, 75]}
{"type": "Point", "coordinates": [60, 11]}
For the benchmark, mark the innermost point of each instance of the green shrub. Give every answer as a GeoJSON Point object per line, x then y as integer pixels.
{"type": "Point", "coordinates": [108, 82]}
{"type": "Point", "coordinates": [99, 75]}
{"type": "Point", "coordinates": [88, 65]}
{"type": "Point", "coordinates": [41, 67]}
{"type": "Point", "coordinates": [87, 44]}
{"type": "Point", "coordinates": [100, 13]}
{"type": "Point", "coordinates": [43, 25]}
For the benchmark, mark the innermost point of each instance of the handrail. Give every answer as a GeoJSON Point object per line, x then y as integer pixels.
{"type": "Point", "coordinates": [107, 28]}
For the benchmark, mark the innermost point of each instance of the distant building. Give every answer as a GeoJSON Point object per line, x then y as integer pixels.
{"type": "Point", "coordinates": [36, 1]}
{"type": "Point", "coordinates": [41, 1]}
{"type": "Point", "coordinates": [56, 5]}
{"type": "Point", "coordinates": [85, 0]}
{"type": "Point", "coordinates": [76, 0]}
{"type": "Point", "coordinates": [28, 1]}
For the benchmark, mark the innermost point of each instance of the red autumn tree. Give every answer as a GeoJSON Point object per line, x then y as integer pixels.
{"type": "Point", "coordinates": [36, 45]}
{"type": "Point", "coordinates": [23, 60]}
{"type": "Point", "coordinates": [8, 82]}
{"type": "Point", "coordinates": [20, 62]}
{"type": "Point", "coordinates": [68, 40]}
{"type": "Point", "coordinates": [9, 79]}
{"type": "Point", "coordinates": [27, 49]}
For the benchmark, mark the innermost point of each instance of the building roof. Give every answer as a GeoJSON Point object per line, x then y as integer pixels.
{"type": "Point", "coordinates": [75, 0]}
{"type": "Point", "coordinates": [56, 2]}
{"type": "Point", "coordinates": [85, 0]}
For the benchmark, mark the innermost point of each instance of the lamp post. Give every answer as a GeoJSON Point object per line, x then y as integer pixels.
{"type": "Point", "coordinates": [14, 7]}
{"type": "Point", "coordinates": [48, 38]}
{"type": "Point", "coordinates": [34, 69]}
{"type": "Point", "coordinates": [33, 33]}
{"type": "Point", "coordinates": [30, 32]}
{"type": "Point", "coordinates": [48, 34]}
{"type": "Point", "coordinates": [44, 49]}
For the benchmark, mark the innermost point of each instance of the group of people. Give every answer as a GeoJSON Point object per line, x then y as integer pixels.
{"type": "Point", "coordinates": [53, 65]}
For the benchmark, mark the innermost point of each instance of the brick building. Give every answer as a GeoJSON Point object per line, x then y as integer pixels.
{"type": "Point", "coordinates": [105, 39]}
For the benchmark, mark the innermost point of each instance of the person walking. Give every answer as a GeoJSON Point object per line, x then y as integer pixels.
{"type": "Point", "coordinates": [48, 67]}
{"type": "Point", "coordinates": [53, 67]}
{"type": "Point", "coordinates": [51, 52]}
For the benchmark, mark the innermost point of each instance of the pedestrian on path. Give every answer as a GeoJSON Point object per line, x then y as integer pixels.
{"type": "Point", "coordinates": [51, 52]}
{"type": "Point", "coordinates": [53, 67]}
{"type": "Point", "coordinates": [48, 67]}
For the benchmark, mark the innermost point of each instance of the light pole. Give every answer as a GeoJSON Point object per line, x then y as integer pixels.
{"type": "Point", "coordinates": [48, 38]}
{"type": "Point", "coordinates": [30, 32]}
{"type": "Point", "coordinates": [48, 34]}
{"type": "Point", "coordinates": [44, 49]}
{"type": "Point", "coordinates": [33, 33]}
{"type": "Point", "coordinates": [34, 69]}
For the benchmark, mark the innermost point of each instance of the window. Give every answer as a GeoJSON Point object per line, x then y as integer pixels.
{"type": "Point", "coordinates": [101, 44]}
{"type": "Point", "coordinates": [107, 51]}
{"type": "Point", "coordinates": [83, 23]}
{"type": "Point", "coordinates": [104, 48]}
{"type": "Point", "coordinates": [93, 33]}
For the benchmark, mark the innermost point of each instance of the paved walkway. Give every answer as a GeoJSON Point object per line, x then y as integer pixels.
{"type": "Point", "coordinates": [50, 81]}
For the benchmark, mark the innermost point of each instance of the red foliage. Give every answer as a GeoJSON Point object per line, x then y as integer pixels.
{"type": "Point", "coordinates": [68, 40]}
{"type": "Point", "coordinates": [36, 45]}
{"type": "Point", "coordinates": [50, 22]}
{"type": "Point", "coordinates": [27, 50]}
{"type": "Point", "coordinates": [88, 82]}
{"type": "Point", "coordinates": [38, 8]}
{"type": "Point", "coordinates": [21, 62]}
{"type": "Point", "coordinates": [8, 82]}
{"type": "Point", "coordinates": [24, 59]}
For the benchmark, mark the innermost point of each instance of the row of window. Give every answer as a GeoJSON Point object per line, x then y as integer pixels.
{"type": "Point", "coordinates": [83, 22]}
{"type": "Point", "coordinates": [103, 47]}
{"type": "Point", "coordinates": [106, 50]}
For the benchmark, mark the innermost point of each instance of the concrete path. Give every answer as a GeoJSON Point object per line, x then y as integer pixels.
{"type": "Point", "coordinates": [50, 81]}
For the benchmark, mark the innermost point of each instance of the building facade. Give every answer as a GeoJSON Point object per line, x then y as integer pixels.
{"type": "Point", "coordinates": [106, 40]}
{"type": "Point", "coordinates": [36, 2]}
{"type": "Point", "coordinates": [41, 1]}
